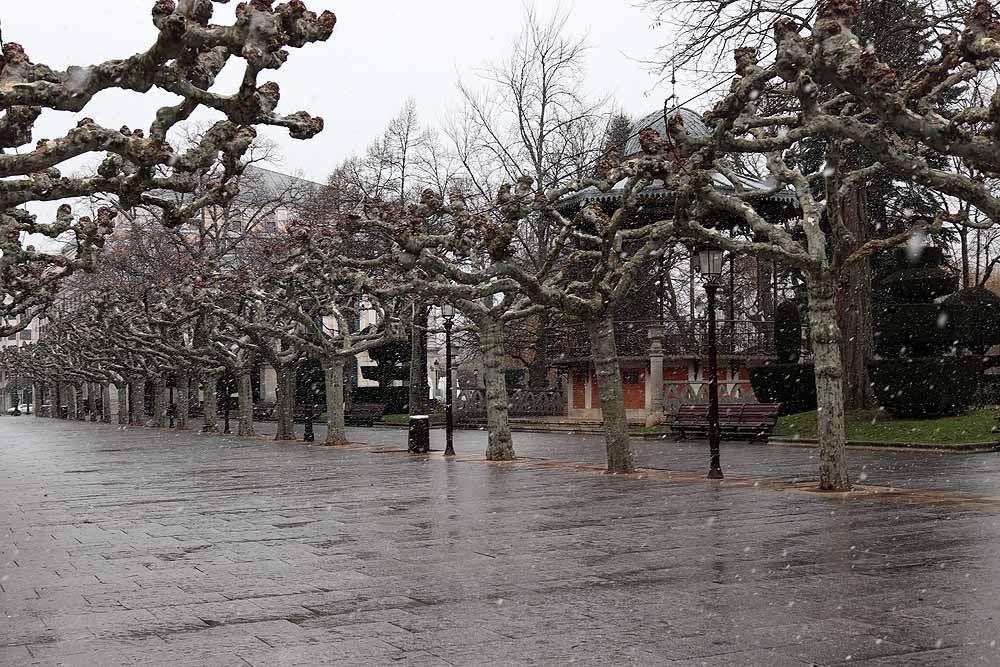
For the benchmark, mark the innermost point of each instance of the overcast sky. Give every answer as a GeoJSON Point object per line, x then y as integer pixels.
{"type": "Point", "coordinates": [381, 53]}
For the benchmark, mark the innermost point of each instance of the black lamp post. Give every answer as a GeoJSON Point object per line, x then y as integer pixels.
{"type": "Point", "coordinates": [710, 265]}
{"type": "Point", "coordinates": [309, 435]}
{"type": "Point", "coordinates": [228, 404]}
{"type": "Point", "coordinates": [448, 312]}
{"type": "Point", "coordinates": [170, 408]}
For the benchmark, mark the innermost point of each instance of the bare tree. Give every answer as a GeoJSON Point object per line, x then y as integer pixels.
{"type": "Point", "coordinates": [138, 166]}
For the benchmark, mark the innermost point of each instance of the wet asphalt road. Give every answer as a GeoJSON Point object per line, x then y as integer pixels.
{"type": "Point", "coordinates": [144, 547]}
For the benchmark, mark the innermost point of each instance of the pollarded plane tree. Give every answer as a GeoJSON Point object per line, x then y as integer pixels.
{"type": "Point", "coordinates": [172, 268]}
{"type": "Point", "coordinates": [394, 169]}
{"type": "Point", "coordinates": [177, 337]}
{"type": "Point", "coordinates": [138, 166]}
{"type": "Point", "coordinates": [52, 363]}
{"type": "Point", "coordinates": [131, 347]}
{"type": "Point", "coordinates": [471, 259]}
{"type": "Point", "coordinates": [255, 312]}
{"type": "Point", "coordinates": [73, 356]}
{"type": "Point", "coordinates": [894, 118]}
{"type": "Point", "coordinates": [134, 295]}
{"type": "Point", "coordinates": [64, 355]}
{"type": "Point", "coordinates": [447, 253]}
{"type": "Point", "coordinates": [232, 349]}
{"type": "Point", "coordinates": [589, 272]}
{"type": "Point", "coordinates": [332, 317]}
{"type": "Point", "coordinates": [873, 203]}
{"type": "Point", "coordinates": [29, 364]}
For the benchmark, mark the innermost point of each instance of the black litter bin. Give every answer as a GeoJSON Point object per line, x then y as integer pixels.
{"type": "Point", "coordinates": [420, 434]}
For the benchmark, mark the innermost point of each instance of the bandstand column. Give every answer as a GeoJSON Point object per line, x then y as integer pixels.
{"type": "Point", "coordinates": [655, 415]}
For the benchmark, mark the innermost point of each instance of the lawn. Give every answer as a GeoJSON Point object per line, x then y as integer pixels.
{"type": "Point", "coordinates": [876, 426]}
{"type": "Point", "coordinates": [648, 430]}
{"type": "Point", "coordinates": [405, 419]}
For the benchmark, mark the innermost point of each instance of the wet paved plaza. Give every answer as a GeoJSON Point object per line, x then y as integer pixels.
{"type": "Point", "coordinates": [142, 547]}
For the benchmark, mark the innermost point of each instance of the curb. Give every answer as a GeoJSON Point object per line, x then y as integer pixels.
{"type": "Point", "coordinates": [956, 448]}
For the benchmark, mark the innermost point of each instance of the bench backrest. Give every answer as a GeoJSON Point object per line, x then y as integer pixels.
{"type": "Point", "coordinates": [697, 413]}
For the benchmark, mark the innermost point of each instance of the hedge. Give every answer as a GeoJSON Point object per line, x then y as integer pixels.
{"type": "Point", "coordinates": [974, 315]}
{"type": "Point", "coordinates": [913, 329]}
{"type": "Point", "coordinates": [787, 332]}
{"type": "Point", "coordinates": [792, 385]}
{"type": "Point", "coordinates": [395, 399]}
{"type": "Point", "coordinates": [916, 285]}
{"type": "Point", "coordinates": [926, 387]}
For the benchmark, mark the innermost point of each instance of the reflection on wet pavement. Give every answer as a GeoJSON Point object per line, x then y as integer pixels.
{"type": "Point", "coordinates": [148, 547]}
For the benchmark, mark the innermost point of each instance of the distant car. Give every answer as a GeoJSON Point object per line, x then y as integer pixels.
{"type": "Point", "coordinates": [23, 407]}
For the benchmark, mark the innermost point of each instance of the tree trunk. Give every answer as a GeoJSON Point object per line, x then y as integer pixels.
{"type": "Point", "coordinates": [963, 235]}
{"type": "Point", "coordinates": [159, 409]}
{"type": "Point", "coordinates": [333, 375]}
{"type": "Point", "coordinates": [137, 399]}
{"type": "Point", "coordinates": [92, 400]}
{"type": "Point", "coordinates": [291, 384]}
{"type": "Point", "coordinates": [211, 403]}
{"type": "Point", "coordinates": [825, 334]}
{"type": "Point", "coordinates": [182, 392]}
{"type": "Point", "coordinates": [350, 380]}
{"type": "Point", "coordinates": [62, 395]}
{"type": "Point", "coordinates": [765, 294]}
{"type": "Point", "coordinates": [106, 402]}
{"type": "Point", "coordinates": [36, 397]}
{"type": "Point", "coordinates": [604, 352]}
{"type": "Point", "coordinates": [854, 304]}
{"type": "Point", "coordinates": [71, 401]}
{"type": "Point", "coordinates": [284, 404]}
{"type": "Point", "coordinates": [499, 445]}
{"type": "Point", "coordinates": [538, 369]}
{"type": "Point", "coordinates": [418, 362]}
{"type": "Point", "coordinates": [121, 388]}
{"type": "Point", "coordinates": [244, 390]}
{"type": "Point", "coordinates": [81, 402]}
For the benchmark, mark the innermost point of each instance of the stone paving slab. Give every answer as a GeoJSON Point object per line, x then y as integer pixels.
{"type": "Point", "coordinates": [145, 547]}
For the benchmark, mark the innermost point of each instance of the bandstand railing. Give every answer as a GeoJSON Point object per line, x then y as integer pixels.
{"type": "Point", "coordinates": [682, 339]}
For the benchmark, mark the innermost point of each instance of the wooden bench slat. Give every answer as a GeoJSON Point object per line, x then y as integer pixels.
{"type": "Point", "coordinates": [755, 419]}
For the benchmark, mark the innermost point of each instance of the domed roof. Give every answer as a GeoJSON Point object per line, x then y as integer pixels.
{"type": "Point", "coordinates": [693, 122]}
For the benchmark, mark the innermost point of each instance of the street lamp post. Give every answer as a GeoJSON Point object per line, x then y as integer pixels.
{"type": "Point", "coordinates": [229, 402]}
{"type": "Point", "coordinates": [309, 435]}
{"type": "Point", "coordinates": [710, 265]}
{"type": "Point", "coordinates": [170, 408]}
{"type": "Point", "coordinates": [448, 312]}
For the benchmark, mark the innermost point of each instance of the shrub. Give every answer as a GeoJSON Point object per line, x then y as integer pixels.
{"type": "Point", "coordinates": [912, 329]}
{"type": "Point", "coordinates": [902, 258]}
{"type": "Point", "coordinates": [395, 399]}
{"type": "Point", "coordinates": [792, 385]}
{"type": "Point", "coordinates": [975, 318]}
{"type": "Point", "coordinates": [989, 391]}
{"type": "Point", "coordinates": [916, 285]}
{"type": "Point", "coordinates": [787, 332]}
{"type": "Point", "coordinates": [926, 387]}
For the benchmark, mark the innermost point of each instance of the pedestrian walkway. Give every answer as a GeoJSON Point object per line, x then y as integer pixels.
{"type": "Point", "coordinates": [146, 547]}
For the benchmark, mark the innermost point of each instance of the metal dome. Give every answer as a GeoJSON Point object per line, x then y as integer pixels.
{"type": "Point", "coordinates": [693, 122]}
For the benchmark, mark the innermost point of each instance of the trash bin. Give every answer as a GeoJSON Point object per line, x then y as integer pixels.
{"type": "Point", "coordinates": [420, 434]}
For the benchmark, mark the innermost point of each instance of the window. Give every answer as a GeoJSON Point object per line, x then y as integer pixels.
{"type": "Point", "coordinates": [630, 377]}
{"type": "Point", "coordinates": [26, 334]}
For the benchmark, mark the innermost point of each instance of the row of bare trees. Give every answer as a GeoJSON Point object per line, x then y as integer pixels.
{"type": "Point", "coordinates": [483, 221]}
